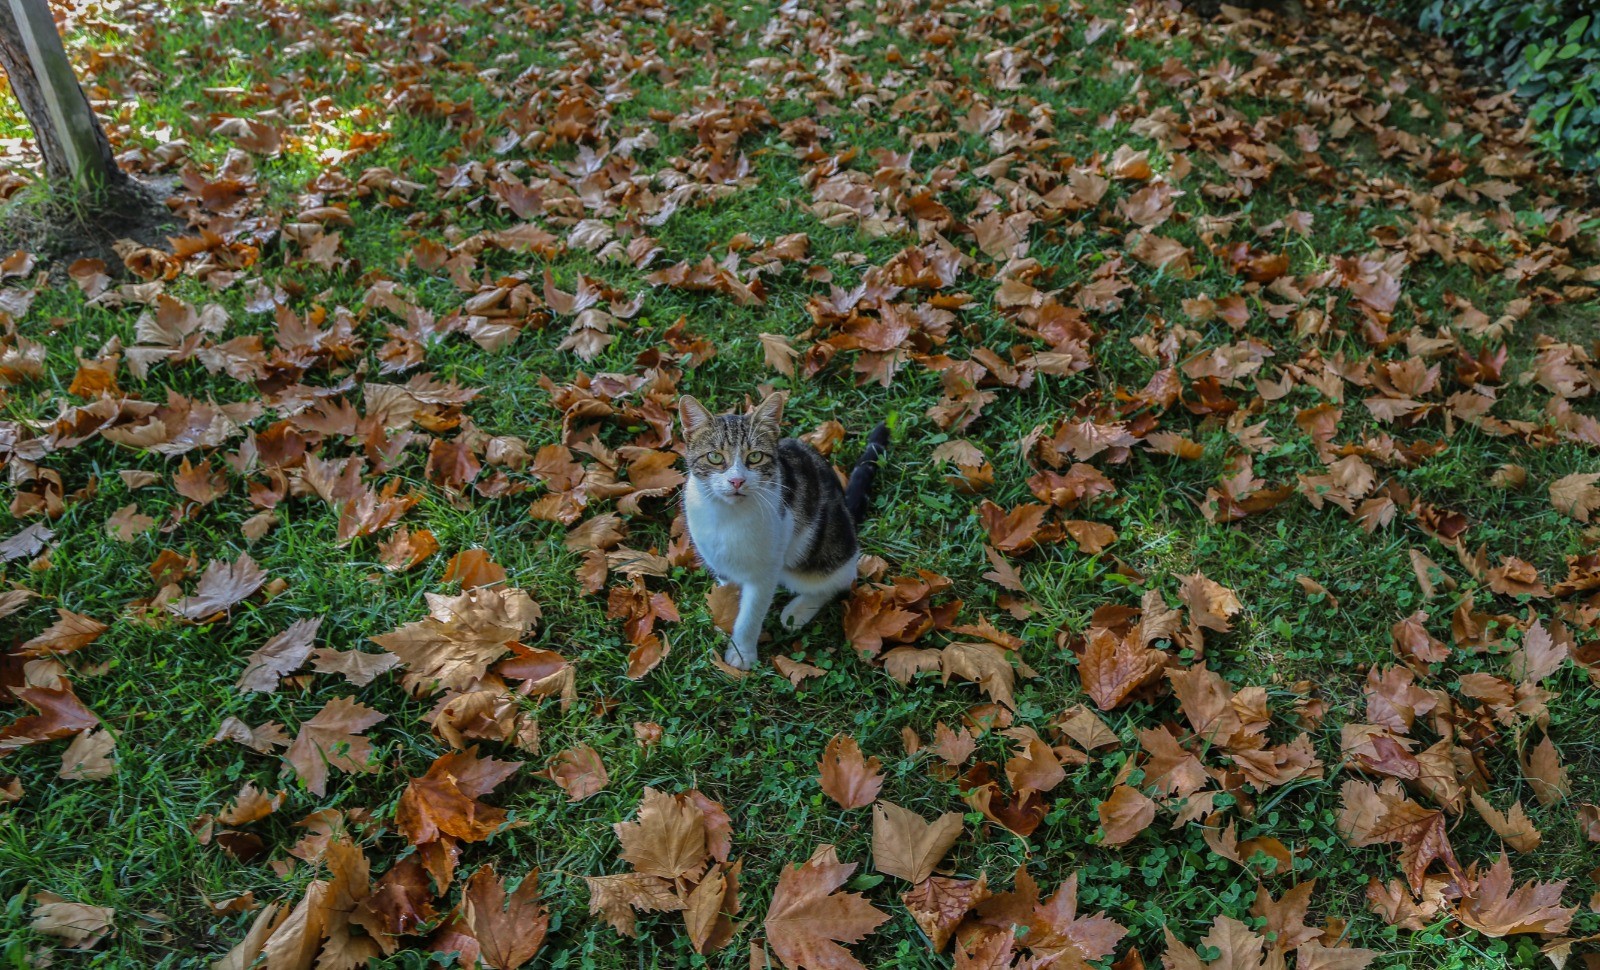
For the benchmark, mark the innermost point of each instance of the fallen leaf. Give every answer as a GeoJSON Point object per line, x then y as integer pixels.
{"type": "Point", "coordinates": [77, 925]}
{"type": "Point", "coordinates": [279, 656]}
{"type": "Point", "coordinates": [848, 778]}
{"type": "Point", "coordinates": [88, 757]}
{"type": "Point", "coordinates": [809, 918]}
{"type": "Point", "coordinates": [509, 932]}
{"type": "Point", "coordinates": [579, 772]}
{"type": "Point", "coordinates": [329, 739]}
{"type": "Point", "coordinates": [1125, 814]}
{"type": "Point", "coordinates": [906, 846]}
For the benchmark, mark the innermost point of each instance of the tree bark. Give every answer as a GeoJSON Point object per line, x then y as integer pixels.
{"type": "Point", "coordinates": [71, 141]}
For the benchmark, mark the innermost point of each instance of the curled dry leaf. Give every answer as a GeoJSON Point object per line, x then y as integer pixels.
{"type": "Point", "coordinates": [579, 772]}
{"type": "Point", "coordinates": [445, 801]}
{"type": "Point", "coordinates": [71, 631]}
{"type": "Point", "coordinates": [279, 656]}
{"type": "Point", "coordinates": [1493, 905]}
{"type": "Point", "coordinates": [462, 635]}
{"type": "Point", "coordinates": [940, 905]}
{"type": "Point", "coordinates": [222, 586]}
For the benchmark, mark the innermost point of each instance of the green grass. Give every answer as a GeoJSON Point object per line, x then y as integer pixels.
{"type": "Point", "coordinates": [163, 688]}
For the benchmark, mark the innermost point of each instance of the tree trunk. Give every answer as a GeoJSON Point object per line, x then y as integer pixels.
{"type": "Point", "coordinates": [74, 146]}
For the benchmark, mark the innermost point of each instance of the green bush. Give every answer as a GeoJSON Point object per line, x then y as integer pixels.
{"type": "Point", "coordinates": [1548, 51]}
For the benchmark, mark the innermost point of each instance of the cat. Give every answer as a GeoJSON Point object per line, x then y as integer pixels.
{"type": "Point", "coordinates": [766, 511]}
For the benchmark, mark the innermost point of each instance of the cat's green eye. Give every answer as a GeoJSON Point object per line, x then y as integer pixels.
{"type": "Point", "coordinates": [755, 458]}
{"type": "Point", "coordinates": [715, 458]}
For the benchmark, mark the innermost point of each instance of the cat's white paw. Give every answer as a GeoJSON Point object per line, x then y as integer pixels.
{"type": "Point", "coordinates": [738, 659]}
{"type": "Point", "coordinates": [799, 612]}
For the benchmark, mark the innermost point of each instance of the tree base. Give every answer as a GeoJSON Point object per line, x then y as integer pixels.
{"type": "Point", "coordinates": [61, 227]}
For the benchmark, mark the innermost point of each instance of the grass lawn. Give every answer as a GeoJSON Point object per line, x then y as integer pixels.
{"type": "Point", "coordinates": [1217, 346]}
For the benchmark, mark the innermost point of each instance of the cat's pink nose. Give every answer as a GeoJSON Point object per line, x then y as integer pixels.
{"type": "Point", "coordinates": [735, 483]}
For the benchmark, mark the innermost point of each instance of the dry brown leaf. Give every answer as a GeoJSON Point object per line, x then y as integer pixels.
{"type": "Point", "coordinates": [1125, 814]}
{"type": "Point", "coordinates": [77, 925]}
{"type": "Point", "coordinates": [330, 739]}
{"type": "Point", "coordinates": [71, 631]}
{"type": "Point", "coordinates": [809, 919]}
{"type": "Point", "coordinates": [1513, 825]}
{"type": "Point", "coordinates": [509, 931]}
{"type": "Point", "coordinates": [849, 779]}
{"type": "Point", "coordinates": [279, 656]}
{"type": "Point", "coordinates": [1492, 905]}
{"type": "Point", "coordinates": [88, 757]}
{"type": "Point", "coordinates": [905, 845]}
{"type": "Point", "coordinates": [579, 772]}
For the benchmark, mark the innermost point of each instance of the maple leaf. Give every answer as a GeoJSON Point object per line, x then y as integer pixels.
{"type": "Point", "coordinates": [620, 897]}
{"type": "Point", "coordinates": [444, 802]}
{"type": "Point", "coordinates": [1546, 773]}
{"type": "Point", "coordinates": [221, 586]}
{"type": "Point", "coordinates": [1286, 917]}
{"type": "Point", "coordinates": [709, 910]}
{"type": "Point", "coordinates": [508, 935]}
{"type": "Point", "coordinates": [28, 542]}
{"type": "Point", "coordinates": [1052, 928]}
{"type": "Point", "coordinates": [847, 777]}
{"type": "Point", "coordinates": [809, 918]}
{"type": "Point", "coordinates": [1211, 605]}
{"type": "Point", "coordinates": [1491, 906]}
{"type": "Point", "coordinates": [262, 739]}
{"type": "Point", "coordinates": [1513, 825]}
{"type": "Point", "coordinates": [1017, 530]}
{"type": "Point", "coordinates": [668, 839]}
{"type": "Point", "coordinates": [472, 568]}
{"type": "Point", "coordinates": [71, 631]}
{"type": "Point", "coordinates": [281, 655]}
{"type": "Point", "coordinates": [1036, 766]}
{"type": "Point", "coordinates": [453, 647]}
{"type": "Point", "coordinates": [939, 905]}
{"type": "Point", "coordinates": [357, 667]}
{"type": "Point", "coordinates": [906, 846]}
{"type": "Point", "coordinates": [330, 739]}
{"type": "Point", "coordinates": [1576, 495]}
{"type": "Point", "coordinates": [1114, 668]}
{"type": "Point", "coordinates": [1372, 815]}
{"type": "Point", "coordinates": [88, 757]}
{"type": "Point", "coordinates": [983, 663]}
{"type": "Point", "coordinates": [1237, 947]}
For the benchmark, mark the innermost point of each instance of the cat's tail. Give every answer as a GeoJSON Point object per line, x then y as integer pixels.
{"type": "Point", "coordinates": [857, 491]}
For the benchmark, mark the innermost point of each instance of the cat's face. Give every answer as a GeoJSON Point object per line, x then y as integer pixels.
{"type": "Point", "coordinates": [733, 457]}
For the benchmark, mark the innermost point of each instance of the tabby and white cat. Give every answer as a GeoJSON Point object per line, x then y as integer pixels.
{"type": "Point", "coordinates": [766, 511]}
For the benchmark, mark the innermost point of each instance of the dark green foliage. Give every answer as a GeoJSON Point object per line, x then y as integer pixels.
{"type": "Point", "coordinates": [1547, 51]}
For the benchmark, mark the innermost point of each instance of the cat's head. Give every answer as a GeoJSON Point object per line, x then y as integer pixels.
{"type": "Point", "coordinates": [733, 456]}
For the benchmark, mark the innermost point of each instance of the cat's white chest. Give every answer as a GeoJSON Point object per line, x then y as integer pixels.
{"type": "Point", "coordinates": [740, 542]}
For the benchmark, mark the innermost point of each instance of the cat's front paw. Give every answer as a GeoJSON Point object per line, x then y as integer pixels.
{"type": "Point", "coordinates": [738, 659]}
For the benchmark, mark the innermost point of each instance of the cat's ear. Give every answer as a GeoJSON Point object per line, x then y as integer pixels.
{"type": "Point", "coordinates": [769, 412]}
{"type": "Point", "coordinates": [693, 415]}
